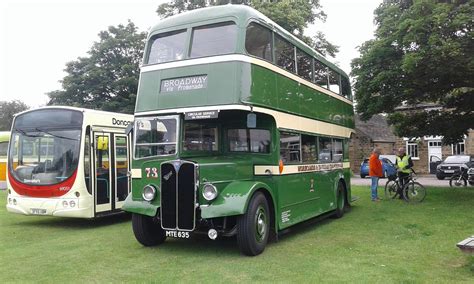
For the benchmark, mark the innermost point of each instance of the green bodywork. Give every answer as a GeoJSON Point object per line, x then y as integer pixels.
{"type": "Point", "coordinates": [241, 83]}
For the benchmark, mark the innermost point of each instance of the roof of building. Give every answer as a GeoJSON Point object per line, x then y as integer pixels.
{"type": "Point", "coordinates": [376, 128]}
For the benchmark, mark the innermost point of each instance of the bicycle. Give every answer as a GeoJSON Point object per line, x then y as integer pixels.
{"type": "Point", "coordinates": [459, 178]}
{"type": "Point", "coordinates": [412, 191]}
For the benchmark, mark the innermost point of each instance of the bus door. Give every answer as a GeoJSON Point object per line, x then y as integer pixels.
{"type": "Point", "coordinates": [121, 167]}
{"type": "Point", "coordinates": [111, 170]}
{"type": "Point", "coordinates": [103, 172]}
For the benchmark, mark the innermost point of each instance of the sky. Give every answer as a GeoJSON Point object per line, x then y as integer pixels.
{"type": "Point", "coordinates": [38, 37]}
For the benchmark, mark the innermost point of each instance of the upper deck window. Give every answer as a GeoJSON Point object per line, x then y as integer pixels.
{"type": "Point", "coordinates": [214, 39]}
{"type": "Point", "coordinates": [305, 65]}
{"type": "Point", "coordinates": [284, 54]}
{"type": "Point", "coordinates": [258, 41]}
{"type": "Point", "coordinates": [320, 74]}
{"type": "Point", "coordinates": [167, 47]}
{"type": "Point", "coordinates": [334, 81]}
{"type": "Point", "coordinates": [346, 88]}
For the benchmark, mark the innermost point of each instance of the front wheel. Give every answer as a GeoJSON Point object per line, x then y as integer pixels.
{"type": "Point", "coordinates": [391, 190]}
{"type": "Point", "coordinates": [253, 227]}
{"type": "Point", "coordinates": [147, 231]}
{"type": "Point", "coordinates": [457, 181]}
{"type": "Point", "coordinates": [414, 192]}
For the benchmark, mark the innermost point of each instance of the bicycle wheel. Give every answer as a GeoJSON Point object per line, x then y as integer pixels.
{"type": "Point", "coordinates": [414, 192]}
{"type": "Point", "coordinates": [391, 190]}
{"type": "Point", "coordinates": [457, 181]}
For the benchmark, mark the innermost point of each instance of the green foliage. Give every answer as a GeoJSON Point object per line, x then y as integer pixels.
{"type": "Point", "coordinates": [385, 242]}
{"type": "Point", "coordinates": [422, 53]}
{"type": "Point", "coordinates": [107, 79]}
{"type": "Point", "coordinates": [293, 16]}
{"type": "Point", "coordinates": [8, 110]}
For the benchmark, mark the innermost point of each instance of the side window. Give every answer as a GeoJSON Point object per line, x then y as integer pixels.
{"type": "Point", "coordinates": [214, 39]}
{"type": "Point", "coordinates": [258, 41]}
{"type": "Point", "coordinates": [167, 47]}
{"type": "Point", "coordinates": [337, 150]}
{"type": "Point", "coordinates": [346, 87]}
{"type": "Point", "coordinates": [290, 150]}
{"type": "Point", "coordinates": [334, 81]}
{"type": "Point", "coordinates": [325, 150]}
{"type": "Point", "coordinates": [284, 54]}
{"type": "Point", "coordinates": [320, 74]}
{"type": "Point", "coordinates": [309, 148]}
{"type": "Point", "coordinates": [3, 149]}
{"type": "Point", "coordinates": [304, 65]}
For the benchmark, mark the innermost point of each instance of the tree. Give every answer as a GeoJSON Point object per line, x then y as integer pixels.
{"type": "Point", "coordinates": [422, 53]}
{"type": "Point", "coordinates": [107, 79]}
{"type": "Point", "coordinates": [8, 110]}
{"type": "Point", "coordinates": [292, 15]}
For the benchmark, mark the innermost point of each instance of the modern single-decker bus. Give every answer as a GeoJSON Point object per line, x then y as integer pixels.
{"type": "Point", "coordinates": [68, 162]}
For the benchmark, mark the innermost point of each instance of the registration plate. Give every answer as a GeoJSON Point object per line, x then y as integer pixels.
{"type": "Point", "coordinates": [38, 211]}
{"type": "Point", "coordinates": [177, 234]}
{"type": "Point", "coordinates": [449, 171]}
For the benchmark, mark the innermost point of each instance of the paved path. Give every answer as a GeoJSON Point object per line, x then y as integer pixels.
{"type": "Point", "coordinates": [426, 180]}
{"type": "Point", "coordinates": [3, 185]}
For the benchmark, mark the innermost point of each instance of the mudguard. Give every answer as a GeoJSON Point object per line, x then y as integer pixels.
{"type": "Point", "coordinates": [139, 207]}
{"type": "Point", "coordinates": [233, 199]}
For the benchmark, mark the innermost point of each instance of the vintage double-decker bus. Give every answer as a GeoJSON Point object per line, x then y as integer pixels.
{"type": "Point", "coordinates": [240, 129]}
{"type": "Point", "coordinates": [68, 162]}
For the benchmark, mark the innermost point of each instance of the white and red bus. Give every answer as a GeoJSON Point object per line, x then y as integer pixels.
{"type": "Point", "coordinates": [68, 162]}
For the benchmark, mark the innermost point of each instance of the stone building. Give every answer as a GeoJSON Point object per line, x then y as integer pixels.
{"type": "Point", "coordinates": [425, 151]}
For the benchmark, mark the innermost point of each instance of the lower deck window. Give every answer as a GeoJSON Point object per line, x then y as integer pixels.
{"type": "Point", "coordinates": [249, 140]}
{"type": "Point", "coordinates": [198, 137]}
{"type": "Point", "coordinates": [290, 147]}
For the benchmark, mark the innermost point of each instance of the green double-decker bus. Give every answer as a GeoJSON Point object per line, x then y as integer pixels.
{"type": "Point", "coordinates": [240, 130]}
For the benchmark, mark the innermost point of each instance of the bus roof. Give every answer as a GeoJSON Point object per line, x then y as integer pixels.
{"type": "Point", "coordinates": [85, 110]}
{"type": "Point", "coordinates": [242, 15]}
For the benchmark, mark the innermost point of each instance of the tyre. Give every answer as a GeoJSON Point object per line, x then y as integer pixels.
{"type": "Point", "coordinates": [253, 228]}
{"type": "Point", "coordinates": [340, 201]}
{"type": "Point", "coordinates": [391, 189]}
{"type": "Point", "coordinates": [456, 181]}
{"type": "Point", "coordinates": [147, 231]}
{"type": "Point", "coordinates": [414, 192]}
{"type": "Point", "coordinates": [440, 177]}
{"type": "Point", "coordinates": [362, 176]}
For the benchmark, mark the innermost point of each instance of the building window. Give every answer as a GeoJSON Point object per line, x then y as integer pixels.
{"type": "Point", "coordinates": [458, 148]}
{"type": "Point", "coordinates": [412, 149]}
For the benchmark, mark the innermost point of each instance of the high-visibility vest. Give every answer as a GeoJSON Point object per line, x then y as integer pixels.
{"type": "Point", "coordinates": [402, 163]}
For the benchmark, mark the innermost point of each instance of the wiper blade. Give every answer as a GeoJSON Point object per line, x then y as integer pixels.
{"type": "Point", "coordinates": [24, 133]}
{"type": "Point", "coordinates": [55, 135]}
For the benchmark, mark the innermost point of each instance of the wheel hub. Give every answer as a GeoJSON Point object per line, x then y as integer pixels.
{"type": "Point", "coordinates": [261, 224]}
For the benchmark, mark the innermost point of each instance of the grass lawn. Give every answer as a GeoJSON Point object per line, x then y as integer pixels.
{"type": "Point", "coordinates": [388, 241]}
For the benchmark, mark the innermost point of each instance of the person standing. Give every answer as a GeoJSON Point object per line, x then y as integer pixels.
{"type": "Point", "coordinates": [404, 168]}
{"type": "Point", "coordinates": [375, 172]}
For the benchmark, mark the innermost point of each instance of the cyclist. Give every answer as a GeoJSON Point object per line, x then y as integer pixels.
{"type": "Point", "coordinates": [404, 167]}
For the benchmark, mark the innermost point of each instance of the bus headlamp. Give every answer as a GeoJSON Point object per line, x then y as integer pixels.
{"type": "Point", "coordinates": [209, 192]}
{"type": "Point", "coordinates": [149, 192]}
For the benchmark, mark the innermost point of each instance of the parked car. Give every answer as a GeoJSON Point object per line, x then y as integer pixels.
{"type": "Point", "coordinates": [453, 164]}
{"type": "Point", "coordinates": [388, 167]}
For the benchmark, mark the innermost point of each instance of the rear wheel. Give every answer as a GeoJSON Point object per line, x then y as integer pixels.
{"type": "Point", "coordinates": [341, 201]}
{"type": "Point", "coordinates": [414, 192]}
{"type": "Point", "coordinates": [457, 181]}
{"type": "Point", "coordinates": [362, 176]}
{"type": "Point", "coordinates": [391, 189]}
{"type": "Point", "coordinates": [254, 226]}
{"type": "Point", "coordinates": [147, 231]}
